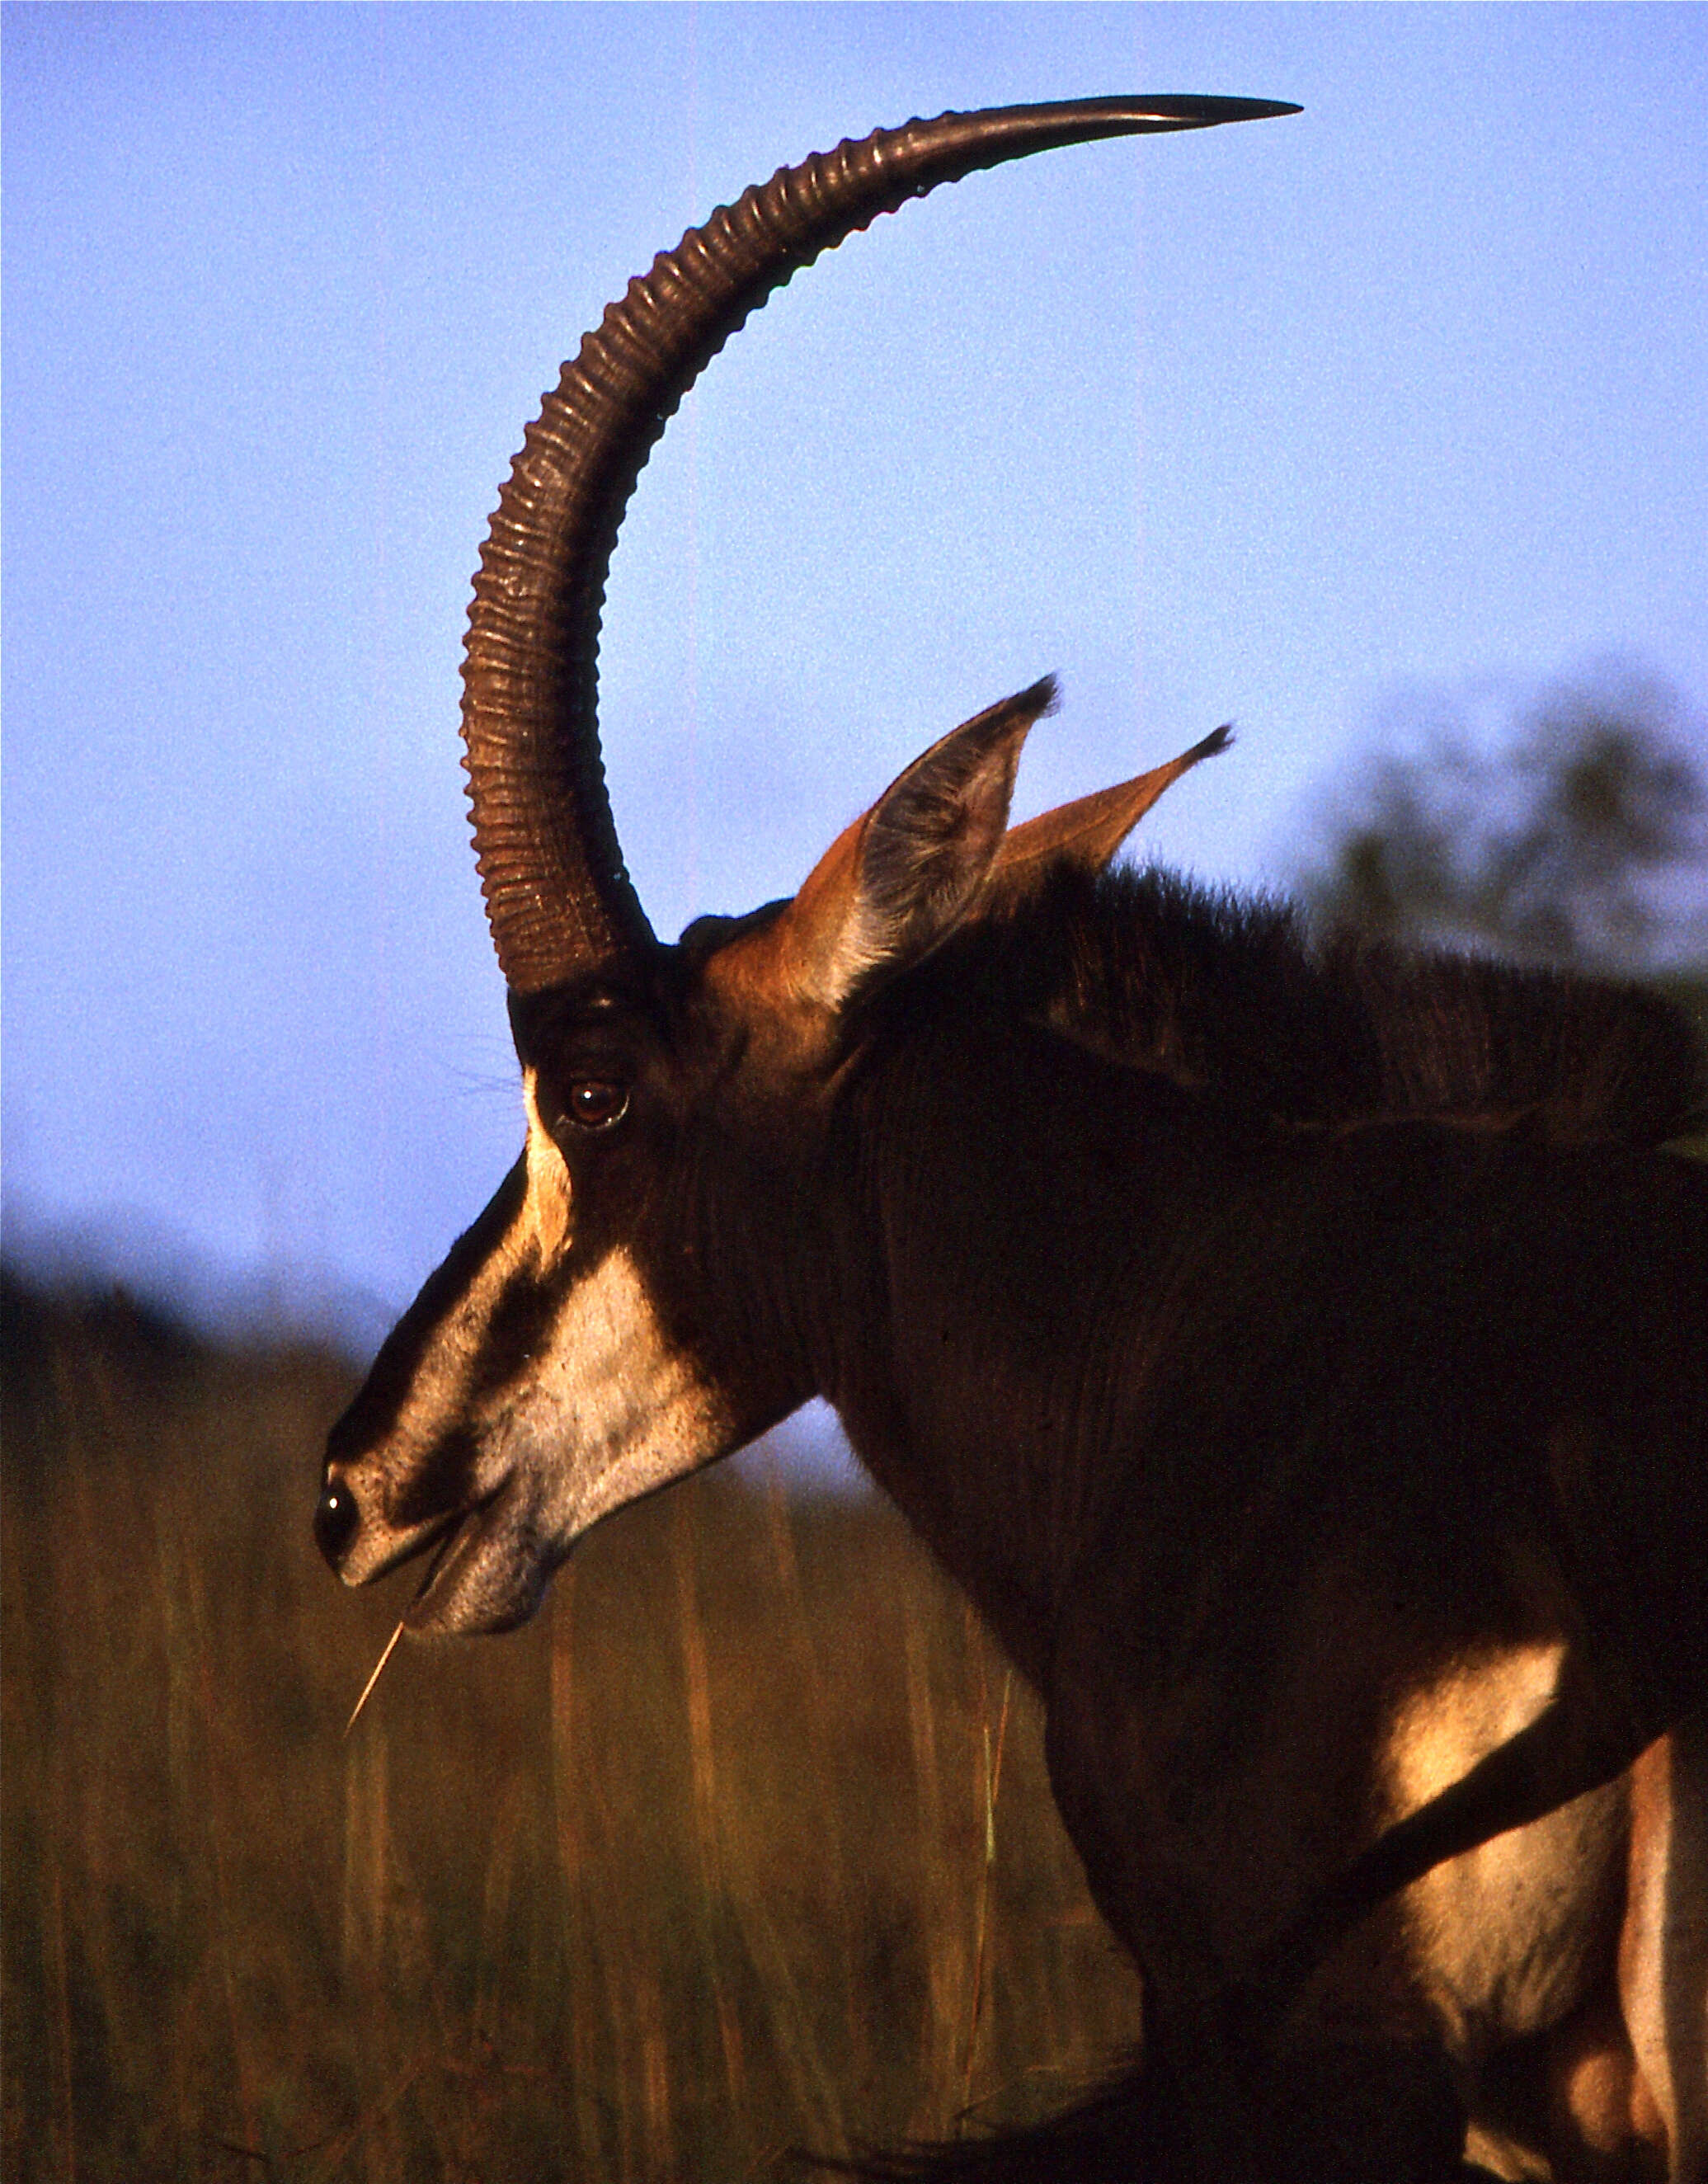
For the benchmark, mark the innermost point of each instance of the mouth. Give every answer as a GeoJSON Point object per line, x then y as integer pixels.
{"type": "Point", "coordinates": [486, 1574]}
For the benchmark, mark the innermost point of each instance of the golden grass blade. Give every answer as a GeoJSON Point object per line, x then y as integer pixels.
{"type": "Point", "coordinates": [992, 1784]}
{"type": "Point", "coordinates": [427, 1577]}
{"type": "Point", "coordinates": [390, 1647]}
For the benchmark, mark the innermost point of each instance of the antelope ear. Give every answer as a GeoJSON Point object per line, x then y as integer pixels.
{"type": "Point", "coordinates": [905, 875]}
{"type": "Point", "coordinates": [1088, 832]}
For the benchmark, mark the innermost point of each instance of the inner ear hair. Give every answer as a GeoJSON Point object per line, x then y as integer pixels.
{"type": "Point", "coordinates": [932, 837]}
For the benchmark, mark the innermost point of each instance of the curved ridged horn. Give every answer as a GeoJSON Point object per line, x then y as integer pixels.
{"type": "Point", "coordinates": [559, 899]}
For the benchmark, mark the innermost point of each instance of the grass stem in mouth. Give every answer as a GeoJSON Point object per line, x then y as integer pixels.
{"type": "Point", "coordinates": [391, 1644]}
{"type": "Point", "coordinates": [433, 1571]}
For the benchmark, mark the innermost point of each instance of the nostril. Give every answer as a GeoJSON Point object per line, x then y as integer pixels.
{"type": "Point", "coordinates": [335, 1521]}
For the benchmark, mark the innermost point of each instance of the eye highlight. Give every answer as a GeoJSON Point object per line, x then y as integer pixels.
{"type": "Point", "coordinates": [596, 1103]}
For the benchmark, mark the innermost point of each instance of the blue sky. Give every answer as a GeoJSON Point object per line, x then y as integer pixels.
{"type": "Point", "coordinates": [1264, 425]}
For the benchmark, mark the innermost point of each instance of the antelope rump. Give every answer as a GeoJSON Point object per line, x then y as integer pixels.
{"type": "Point", "coordinates": [1298, 1351]}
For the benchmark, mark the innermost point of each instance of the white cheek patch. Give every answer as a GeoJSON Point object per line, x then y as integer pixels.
{"type": "Point", "coordinates": [611, 1410]}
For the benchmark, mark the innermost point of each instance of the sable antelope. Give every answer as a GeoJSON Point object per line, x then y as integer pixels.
{"type": "Point", "coordinates": [1297, 1353]}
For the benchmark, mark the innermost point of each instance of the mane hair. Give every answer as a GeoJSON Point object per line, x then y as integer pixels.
{"type": "Point", "coordinates": [1235, 996]}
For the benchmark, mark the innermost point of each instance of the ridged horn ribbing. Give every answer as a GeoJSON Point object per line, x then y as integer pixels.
{"type": "Point", "coordinates": [559, 899]}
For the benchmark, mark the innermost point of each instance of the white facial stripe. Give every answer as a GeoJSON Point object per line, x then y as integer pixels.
{"type": "Point", "coordinates": [548, 1205]}
{"type": "Point", "coordinates": [439, 1393]}
{"type": "Point", "coordinates": [438, 1396]}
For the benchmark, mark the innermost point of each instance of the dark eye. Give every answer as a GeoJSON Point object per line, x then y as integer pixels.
{"type": "Point", "coordinates": [595, 1102]}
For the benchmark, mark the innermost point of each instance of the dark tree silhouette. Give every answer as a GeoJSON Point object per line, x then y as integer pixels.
{"type": "Point", "coordinates": [1578, 839]}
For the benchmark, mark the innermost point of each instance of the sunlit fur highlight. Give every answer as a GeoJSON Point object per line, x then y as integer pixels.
{"type": "Point", "coordinates": [548, 1208]}
{"type": "Point", "coordinates": [1502, 1936]}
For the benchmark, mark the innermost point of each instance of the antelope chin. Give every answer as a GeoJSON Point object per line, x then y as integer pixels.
{"type": "Point", "coordinates": [489, 1574]}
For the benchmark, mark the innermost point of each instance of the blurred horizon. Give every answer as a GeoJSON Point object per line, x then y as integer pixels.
{"type": "Point", "coordinates": [1274, 423]}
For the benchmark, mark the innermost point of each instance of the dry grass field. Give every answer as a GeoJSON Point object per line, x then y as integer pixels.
{"type": "Point", "coordinates": [714, 1860]}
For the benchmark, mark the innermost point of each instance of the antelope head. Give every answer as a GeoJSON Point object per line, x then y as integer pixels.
{"type": "Point", "coordinates": [638, 1298]}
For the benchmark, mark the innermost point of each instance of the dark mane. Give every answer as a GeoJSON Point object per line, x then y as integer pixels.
{"type": "Point", "coordinates": [1234, 995]}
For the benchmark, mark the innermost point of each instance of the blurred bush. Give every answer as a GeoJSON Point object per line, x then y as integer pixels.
{"type": "Point", "coordinates": [1571, 828]}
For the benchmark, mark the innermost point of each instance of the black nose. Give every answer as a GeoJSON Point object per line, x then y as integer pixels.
{"type": "Point", "coordinates": [334, 1520]}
